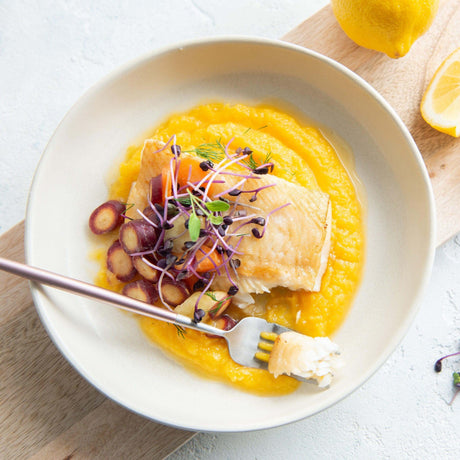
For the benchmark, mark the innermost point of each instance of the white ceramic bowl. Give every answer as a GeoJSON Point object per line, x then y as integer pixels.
{"type": "Point", "coordinates": [105, 345]}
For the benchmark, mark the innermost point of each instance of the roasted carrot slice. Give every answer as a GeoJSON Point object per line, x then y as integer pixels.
{"type": "Point", "coordinates": [190, 282]}
{"type": "Point", "coordinates": [166, 183]}
{"type": "Point", "coordinates": [189, 171]}
{"type": "Point", "coordinates": [206, 263]}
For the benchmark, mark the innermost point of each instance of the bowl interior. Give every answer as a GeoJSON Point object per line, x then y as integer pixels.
{"type": "Point", "coordinates": [105, 345]}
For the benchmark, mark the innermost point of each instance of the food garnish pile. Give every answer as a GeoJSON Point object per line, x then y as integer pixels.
{"type": "Point", "coordinates": [221, 230]}
{"type": "Point", "coordinates": [192, 228]}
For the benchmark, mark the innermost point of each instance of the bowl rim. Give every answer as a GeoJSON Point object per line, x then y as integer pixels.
{"type": "Point", "coordinates": [140, 60]}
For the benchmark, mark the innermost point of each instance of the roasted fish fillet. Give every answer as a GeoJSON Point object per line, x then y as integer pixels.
{"type": "Point", "coordinates": [294, 250]}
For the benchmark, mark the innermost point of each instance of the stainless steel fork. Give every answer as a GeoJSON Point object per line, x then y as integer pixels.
{"type": "Point", "coordinates": [243, 339]}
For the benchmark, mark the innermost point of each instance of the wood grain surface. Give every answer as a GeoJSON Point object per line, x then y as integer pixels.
{"type": "Point", "coordinates": [48, 411]}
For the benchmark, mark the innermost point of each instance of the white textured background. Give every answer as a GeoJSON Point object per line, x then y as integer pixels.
{"type": "Point", "coordinates": [52, 51]}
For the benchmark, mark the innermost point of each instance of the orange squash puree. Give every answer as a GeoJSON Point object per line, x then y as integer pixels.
{"type": "Point", "coordinates": [301, 155]}
{"type": "Point", "coordinates": [209, 356]}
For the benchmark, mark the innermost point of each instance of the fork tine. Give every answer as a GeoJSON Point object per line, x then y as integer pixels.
{"type": "Point", "coordinates": [262, 356]}
{"type": "Point", "coordinates": [251, 342]}
{"type": "Point", "coordinates": [266, 346]}
{"type": "Point", "coordinates": [269, 336]}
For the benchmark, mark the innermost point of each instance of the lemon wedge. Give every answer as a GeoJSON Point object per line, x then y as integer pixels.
{"type": "Point", "coordinates": [441, 102]}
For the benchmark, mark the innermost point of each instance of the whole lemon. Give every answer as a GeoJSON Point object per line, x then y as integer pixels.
{"type": "Point", "coordinates": [390, 26]}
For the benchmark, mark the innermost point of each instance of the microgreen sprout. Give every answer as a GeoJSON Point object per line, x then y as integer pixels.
{"type": "Point", "coordinates": [128, 206]}
{"type": "Point", "coordinates": [176, 150]}
{"type": "Point", "coordinates": [209, 220]}
{"type": "Point", "coordinates": [438, 363]}
{"type": "Point", "coordinates": [206, 165]}
{"type": "Point", "coordinates": [217, 206]}
{"type": "Point", "coordinates": [232, 290]}
{"type": "Point", "coordinates": [198, 315]}
{"type": "Point", "coordinates": [456, 383]}
{"type": "Point", "coordinates": [194, 227]}
{"type": "Point", "coordinates": [455, 375]}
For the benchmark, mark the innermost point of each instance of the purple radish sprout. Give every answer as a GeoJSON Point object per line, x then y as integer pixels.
{"type": "Point", "coordinates": [147, 219]}
{"type": "Point", "coordinates": [203, 292]}
{"type": "Point", "coordinates": [231, 189]}
{"type": "Point", "coordinates": [156, 267]}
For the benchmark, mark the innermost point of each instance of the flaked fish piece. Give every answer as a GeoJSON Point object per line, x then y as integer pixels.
{"type": "Point", "coordinates": [294, 250]}
{"type": "Point", "coordinates": [311, 358]}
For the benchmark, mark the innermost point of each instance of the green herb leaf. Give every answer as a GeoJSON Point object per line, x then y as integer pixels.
{"type": "Point", "coordinates": [180, 331]}
{"type": "Point", "coordinates": [253, 163]}
{"type": "Point", "coordinates": [211, 151]}
{"type": "Point", "coordinates": [216, 220]}
{"type": "Point", "coordinates": [218, 206]}
{"type": "Point", "coordinates": [194, 226]}
{"type": "Point", "coordinates": [128, 206]}
{"type": "Point", "coordinates": [212, 295]}
{"type": "Point", "coordinates": [219, 303]}
{"type": "Point", "coordinates": [292, 174]}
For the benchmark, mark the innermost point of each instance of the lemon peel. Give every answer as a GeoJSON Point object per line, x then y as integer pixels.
{"type": "Point", "coordinates": [389, 26]}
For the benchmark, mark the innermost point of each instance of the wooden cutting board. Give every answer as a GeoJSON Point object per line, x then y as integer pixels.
{"type": "Point", "coordinates": [48, 411]}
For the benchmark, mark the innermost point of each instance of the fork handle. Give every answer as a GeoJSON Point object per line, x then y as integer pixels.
{"type": "Point", "coordinates": [94, 292]}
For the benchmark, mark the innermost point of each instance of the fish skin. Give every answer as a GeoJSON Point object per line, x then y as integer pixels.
{"type": "Point", "coordinates": [294, 250]}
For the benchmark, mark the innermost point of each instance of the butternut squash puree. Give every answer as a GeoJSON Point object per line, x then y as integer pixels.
{"type": "Point", "coordinates": [303, 156]}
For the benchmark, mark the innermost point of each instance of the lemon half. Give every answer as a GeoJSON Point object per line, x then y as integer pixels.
{"type": "Point", "coordinates": [441, 102]}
